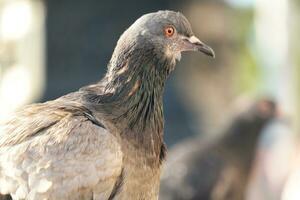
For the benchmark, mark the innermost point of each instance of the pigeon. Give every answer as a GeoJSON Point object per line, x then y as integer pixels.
{"type": "Point", "coordinates": [218, 170]}
{"type": "Point", "coordinates": [104, 141]}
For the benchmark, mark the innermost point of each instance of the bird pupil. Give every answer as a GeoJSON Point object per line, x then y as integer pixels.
{"type": "Point", "coordinates": [169, 31]}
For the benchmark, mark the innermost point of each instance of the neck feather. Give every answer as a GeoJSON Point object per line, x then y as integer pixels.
{"type": "Point", "coordinates": [132, 90]}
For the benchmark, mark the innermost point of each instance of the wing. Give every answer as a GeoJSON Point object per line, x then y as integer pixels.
{"type": "Point", "coordinates": [51, 153]}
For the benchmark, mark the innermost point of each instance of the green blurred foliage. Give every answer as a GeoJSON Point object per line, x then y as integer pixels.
{"type": "Point", "coordinates": [248, 76]}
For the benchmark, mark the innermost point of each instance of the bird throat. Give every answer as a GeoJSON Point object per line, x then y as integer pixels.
{"type": "Point", "coordinates": [136, 88]}
{"type": "Point", "coordinates": [132, 97]}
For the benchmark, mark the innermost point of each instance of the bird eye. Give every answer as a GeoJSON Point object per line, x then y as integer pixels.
{"type": "Point", "coordinates": [169, 31]}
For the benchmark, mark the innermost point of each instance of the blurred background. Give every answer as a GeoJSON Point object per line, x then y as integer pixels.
{"type": "Point", "coordinates": [232, 122]}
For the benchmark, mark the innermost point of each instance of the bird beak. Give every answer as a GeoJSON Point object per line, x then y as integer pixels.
{"type": "Point", "coordinates": [194, 44]}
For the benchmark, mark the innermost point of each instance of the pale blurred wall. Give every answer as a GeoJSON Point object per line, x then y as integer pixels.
{"type": "Point", "coordinates": [22, 53]}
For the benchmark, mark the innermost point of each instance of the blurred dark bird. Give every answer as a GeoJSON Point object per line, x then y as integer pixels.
{"type": "Point", "coordinates": [219, 170]}
{"type": "Point", "coordinates": [5, 197]}
{"type": "Point", "coordinates": [104, 141]}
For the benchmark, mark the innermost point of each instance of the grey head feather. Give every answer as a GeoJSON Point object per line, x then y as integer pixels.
{"type": "Point", "coordinates": [146, 33]}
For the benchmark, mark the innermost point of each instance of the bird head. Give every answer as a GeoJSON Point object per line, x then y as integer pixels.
{"type": "Point", "coordinates": [165, 34]}
{"type": "Point", "coordinates": [169, 32]}
{"type": "Point", "coordinates": [145, 55]}
{"type": "Point", "coordinates": [143, 58]}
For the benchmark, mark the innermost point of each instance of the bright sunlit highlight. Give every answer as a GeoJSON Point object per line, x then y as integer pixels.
{"type": "Point", "coordinates": [292, 192]}
{"type": "Point", "coordinates": [15, 20]}
{"type": "Point", "coordinates": [14, 89]}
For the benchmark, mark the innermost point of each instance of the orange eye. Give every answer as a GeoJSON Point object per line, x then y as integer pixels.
{"type": "Point", "coordinates": [169, 31]}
